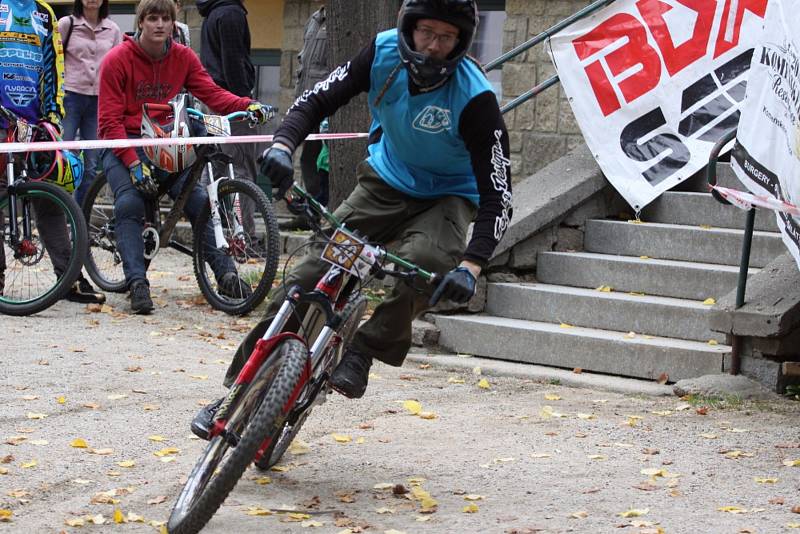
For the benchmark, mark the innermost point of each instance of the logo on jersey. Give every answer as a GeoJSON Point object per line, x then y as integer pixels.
{"type": "Point", "coordinates": [433, 119]}
{"type": "Point", "coordinates": [18, 77]}
{"type": "Point", "coordinates": [22, 54]}
{"type": "Point", "coordinates": [44, 17]}
{"type": "Point", "coordinates": [21, 99]}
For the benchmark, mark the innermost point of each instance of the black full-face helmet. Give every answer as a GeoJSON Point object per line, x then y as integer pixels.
{"type": "Point", "coordinates": [426, 72]}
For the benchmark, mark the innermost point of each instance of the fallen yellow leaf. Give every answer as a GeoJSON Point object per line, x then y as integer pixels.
{"type": "Point", "coordinates": [61, 400]}
{"type": "Point", "coordinates": [635, 512]}
{"type": "Point", "coordinates": [134, 518]}
{"type": "Point", "coordinates": [32, 415]}
{"type": "Point", "coordinates": [791, 463]}
{"type": "Point", "coordinates": [470, 508]}
{"type": "Point", "coordinates": [604, 289]}
{"type": "Point", "coordinates": [341, 438]}
{"type": "Point", "coordinates": [263, 481]}
{"type": "Point", "coordinates": [77, 522]}
{"type": "Point", "coordinates": [765, 480]}
{"type": "Point", "coordinates": [258, 511]}
{"type": "Point", "coordinates": [427, 415]}
{"type": "Point", "coordinates": [473, 497]}
{"type": "Point", "coordinates": [157, 438]}
{"type": "Point", "coordinates": [3, 470]}
{"type": "Point", "coordinates": [484, 384]}
{"type": "Point", "coordinates": [552, 397]}
{"type": "Point", "coordinates": [312, 524]}
{"type": "Point", "coordinates": [79, 443]}
{"type": "Point", "coordinates": [167, 451]}
{"type": "Point", "coordinates": [119, 517]}
{"type": "Point", "coordinates": [732, 509]}
{"type": "Point", "coordinates": [298, 447]}
{"type": "Point", "coordinates": [598, 457]}
{"type": "Point", "coordinates": [126, 463]}
{"type": "Point", "coordinates": [565, 325]}
{"type": "Point", "coordinates": [709, 301]}
{"type": "Point", "coordinates": [383, 486]}
{"type": "Point", "coordinates": [5, 515]}
{"type": "Point", "coordinates": [579, 515]}
{"type": "Point", "coordinates": [412, 406]}
{"type": "Point", "coordinates": [296, 517]}
{"type": "Point", "coordinates": [384, 510]}
{"type": "Point", "coordinates": [28, 465]}
{"type": "Point", "coordinates": [454, 380]}
{"type": "Point", "coordinates": [101, 452]}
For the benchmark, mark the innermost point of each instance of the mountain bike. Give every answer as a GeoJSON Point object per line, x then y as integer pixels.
{"type": "Point", "coordinates": [287, 372]}
{"type": "Point", "coordinates": [254, 253]}
{"type": "Point", "coordinates": [42, 229]}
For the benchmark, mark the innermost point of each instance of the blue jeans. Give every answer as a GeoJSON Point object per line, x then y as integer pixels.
{"type": "Point", "coordinates": [129, 212]}
{"type": "Point", "coordinates": [81, 116]}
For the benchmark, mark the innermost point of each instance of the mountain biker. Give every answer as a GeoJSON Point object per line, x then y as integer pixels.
{"type": "Point", "coordinates": [32, 70]}
{"type": "Point", "coordinates": [151, 68]}
{"type": "Point", "coordinates": [438, 159]}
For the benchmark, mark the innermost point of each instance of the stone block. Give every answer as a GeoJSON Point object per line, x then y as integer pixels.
{"type": "Point", "coordinates": [499, 261]}
{"type": "Point", "coordinates": [524, 254]}
{"type": "Point", "coordinates": [501, 277]}
{"type": "Point", "coordinates": [545, 70]}
{"type": "Point", "coordinates": [540, 150]}
{"type": "Point", "coordinates": [594, 208]}
{"type": "Point", "coordinates": [763, 370]}
{"type": "Point", "coordinates": [524, 116]}
{"type": "Point", "coordinates": [569, 239]}
{"type": "Point", "coordinates": [424, 334]}
{"type": "Point", "coordinates": [547, 112]}
{"type": "Point", "coordinates": [567, 124]}
{"type": "Point", "coordinates": [516, 167]}
{"type": "Point", "coordinates": [291, 14]}
{"type": "Point", "coordinates": [574, 142]}
{"type": "Point", "coordinates": [518, 78]}
{"type": "Point", "coordinates": [287, 70]}
{"type": "Point", "coordinates": [515, 141]}
{"type": "Point", "coordinates": [522, 7]}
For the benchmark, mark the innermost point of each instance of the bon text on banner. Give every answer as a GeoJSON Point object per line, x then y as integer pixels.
{"type": "Point", "coordinates": [655, 83]}
{"type": "Point", "coordinates": [766, 157]}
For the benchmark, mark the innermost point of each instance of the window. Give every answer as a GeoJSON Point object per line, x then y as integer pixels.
{"type": "Point", "coordinates": [268, 79]}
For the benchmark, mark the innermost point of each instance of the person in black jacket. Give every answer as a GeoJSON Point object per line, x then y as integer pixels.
{"type": "Point", "coordinates": [225, 53]}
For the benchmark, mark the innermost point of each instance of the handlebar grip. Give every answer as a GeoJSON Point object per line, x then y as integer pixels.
{"type": "Point", "coordinates": [156, 107]}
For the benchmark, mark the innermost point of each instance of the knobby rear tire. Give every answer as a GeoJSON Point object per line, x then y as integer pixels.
{"type": "Point", "coordinates": [352, 315]}
{"type": "Point", "coordinates": [103, 261]}
{"type": "Point", "coordinates": [76, 226]}
{"type": "Point", "coordinates": [198, 502]}
{"type": "Point", "coordinates": [267, 252]}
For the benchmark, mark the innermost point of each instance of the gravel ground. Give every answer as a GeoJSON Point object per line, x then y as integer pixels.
{"type": "Point", "coordinates": [532, 456]}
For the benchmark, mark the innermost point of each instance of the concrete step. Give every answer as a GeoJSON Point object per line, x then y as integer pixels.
{"type": "Point", "coordinates": [695, 209]}
{"type": "Point", "coordinates": [669, 278]}
{"type": "Point", "coordinates": [643, 314]}
{"type": "Point", "coordinates": [679, 242]}
{"type": "Point", "coordinates": [602, 351]}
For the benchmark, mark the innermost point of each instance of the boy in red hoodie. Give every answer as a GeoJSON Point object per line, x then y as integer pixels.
{"type": "Point", "coordinates": [152, 68]}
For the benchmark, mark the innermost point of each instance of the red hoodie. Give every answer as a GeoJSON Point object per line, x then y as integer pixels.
{"type": "Point", "coordinates": [129, 78]}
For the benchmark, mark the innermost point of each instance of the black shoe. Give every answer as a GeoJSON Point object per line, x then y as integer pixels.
{"type": "Point", "coordinates": [297, 223]}
{"type": "Point", "coordinates": [201, 424]}
{"type": "Point", "coordinates": [351, 375]}
{"type": "Point", "coordinates": [230, 285]}
{"type": "Point", "coordinates": [83, 292]}
{"type": "Point", "coordinates": [141, 302]}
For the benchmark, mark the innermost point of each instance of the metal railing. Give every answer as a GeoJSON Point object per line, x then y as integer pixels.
{"type": "Point", "coordinates": [527, 95]}
{"type": "Point", "coordinates": [747, 241]}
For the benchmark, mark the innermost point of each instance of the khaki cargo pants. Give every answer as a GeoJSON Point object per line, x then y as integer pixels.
{"type": "Point", "coordinates": [428, 232]}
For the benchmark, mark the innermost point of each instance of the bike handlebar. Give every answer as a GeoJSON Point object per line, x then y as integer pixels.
{"type": "Point", "coordinates": [309, 204]}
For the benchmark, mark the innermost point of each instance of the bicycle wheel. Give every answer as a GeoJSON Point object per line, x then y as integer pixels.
{"type": "Point", "coordinates": [253, 258]}
{"type": "Point", "coordinates": [352, 318]}
{"type": "Point", "coordinates": [103, 262]}
{"type": "Point", "coordinates": [278, 382]}
{"type": "Point", "coordinates": [42, 265]}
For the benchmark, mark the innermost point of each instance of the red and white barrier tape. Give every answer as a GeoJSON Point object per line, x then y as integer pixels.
{"type": "Point", "coordinates": [6, 148]}
{"type": "Point", "coordinates": [745, 201]}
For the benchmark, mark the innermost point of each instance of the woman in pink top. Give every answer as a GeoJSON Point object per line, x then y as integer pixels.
{"type": "Point", "coordinates": [87, 36]}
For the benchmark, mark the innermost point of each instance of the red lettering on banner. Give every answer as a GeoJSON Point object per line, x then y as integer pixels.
{"type": "Point", "coordinates": [757, 7]}
{"type": "Point", "coordinates": [636, 52]}
{"type": "Point", "coordinates": [677, 58]}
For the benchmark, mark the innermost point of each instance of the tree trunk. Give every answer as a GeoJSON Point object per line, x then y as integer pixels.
{"type": "Point", "coordinates": [351, 26]}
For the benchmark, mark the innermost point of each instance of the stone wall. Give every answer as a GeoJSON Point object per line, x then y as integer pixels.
{"type": "Point", "coordinates": [544, 129]}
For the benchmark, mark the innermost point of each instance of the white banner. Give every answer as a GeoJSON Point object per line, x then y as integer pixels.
{"type": "Point", "coordinates": [655, 83]}
{"type": "Point", "coordinates": [766, 157]}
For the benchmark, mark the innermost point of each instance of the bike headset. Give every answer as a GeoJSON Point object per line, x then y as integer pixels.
{"type": "Point", "coordinates": [175, 123]}
{"type": "Point", "coordinates": [62, 167]}
{"type": "Point", "coordinates": [426, 72]}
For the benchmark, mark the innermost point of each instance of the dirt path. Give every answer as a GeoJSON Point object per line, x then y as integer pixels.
{"type": "Point", "coordinates": [534, 457]}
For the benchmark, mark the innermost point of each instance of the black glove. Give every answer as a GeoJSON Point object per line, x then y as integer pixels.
{"type": "Point", "coordinates": [458, 285]}
{"type": "Point", "coordinates": [276, 164]}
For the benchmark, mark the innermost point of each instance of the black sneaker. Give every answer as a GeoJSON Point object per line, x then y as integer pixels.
{"type": "Point", "coordinates": [351, 375]}
{"type": "Point", "coordinates": [141, 302]}
{"type": "Point", "coordinates": [201, 424]}
{"type": "Point", "coordinates": [83, 292]}
{"type": "Point", "coordinates": [230, 285]}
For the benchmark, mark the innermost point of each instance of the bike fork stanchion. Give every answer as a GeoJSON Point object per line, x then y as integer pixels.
{"type": "Point", "coordinates": [213, 200]}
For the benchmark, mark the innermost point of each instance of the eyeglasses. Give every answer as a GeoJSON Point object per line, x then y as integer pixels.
{"type": "Point", "coordinates": [447, 40]}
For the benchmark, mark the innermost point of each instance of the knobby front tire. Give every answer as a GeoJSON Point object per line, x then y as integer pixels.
{"type": "Point", "coordinates": [254, 257]}
{"type": "Point", "coordinates": [352, 315]}
{"type": "Point", "coordinates": [217, 472]}
{"type": "Point", "coordinates": [30, 283]}
{"type": "Point", "coordinates": [103, 261]}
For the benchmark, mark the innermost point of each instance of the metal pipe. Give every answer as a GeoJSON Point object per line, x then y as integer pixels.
{"type": "Point", "coordinates": [524, 97]}
{"type": "Point", "coordinates": [711, 168]}
{"type": "Point", "coordinates": [741, 286]}
{"type": "Point", "coordinates": [588, 10]}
